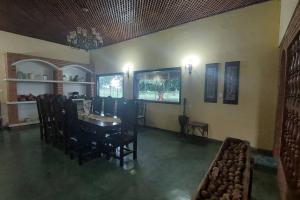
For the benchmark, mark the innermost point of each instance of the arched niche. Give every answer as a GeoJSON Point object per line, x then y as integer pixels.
{"type": "Point", "coordinates": [36, 67]}
{"type": "Point", "coordinates": [82, 73]}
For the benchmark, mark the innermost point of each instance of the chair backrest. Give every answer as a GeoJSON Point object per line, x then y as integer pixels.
{"type": "Point", "coordinates": [120, 103]}
{"type": "Point", "coordinates": [58, 106]}
{"type": "Point", "coordinates": [46, 110]}
{"type": "Point", "coordinates": [141, 107]}
{"type": "Point", "coordinates": [50, 101]}
{"type": "Point", "coordinates": [97, 105]}
{"type": "Point", "coordinates": [128, 115]}
{"type": "Point", "coordinates": [71, 118]}
{"type": "Point", "coordinates": [39, 108]}
{"type": "Point", "coordinates": [109, 106]}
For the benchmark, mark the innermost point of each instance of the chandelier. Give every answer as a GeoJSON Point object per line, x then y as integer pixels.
{"type": "Point", "coordinates": [82, 38]}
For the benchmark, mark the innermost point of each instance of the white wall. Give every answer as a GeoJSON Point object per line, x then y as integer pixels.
{"type": "Point", "coordinates": [249, 35]}
{"type": "Point", "coordinates": [287, 8]}
{"type": "Point", "coordinates": [14, 43]}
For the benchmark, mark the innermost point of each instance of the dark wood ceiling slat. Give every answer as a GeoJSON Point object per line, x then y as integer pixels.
{"type": "Point", "coordinates": [116, 20]}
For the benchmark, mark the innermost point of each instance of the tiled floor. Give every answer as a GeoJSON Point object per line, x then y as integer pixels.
{"type": "Point", "coordinates": [168, 167]}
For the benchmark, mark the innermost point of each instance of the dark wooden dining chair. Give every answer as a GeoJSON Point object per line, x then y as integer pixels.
{"type": "Point", "coordinates": [120, 103]}
{"type": "Point", "coordinates": [141, 116]}
{"type": "Point", "coordinates": [82, 142]}
{"type": "Point", "coordinates": [60, 136]}
{"type": "Point", "coordinates": [97, 105]}
{"type": "Point", "coordinates": [127, 135]}
{"type": "Point", "coordinates": [109, 106]}
{"type": "Point", "coordinates": [47, 117]}
{"type": "Point", "coordinates": [39, 109]}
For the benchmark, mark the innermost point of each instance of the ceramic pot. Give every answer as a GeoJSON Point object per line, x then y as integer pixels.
{"type": "Point", "coordinates": [29, 76]}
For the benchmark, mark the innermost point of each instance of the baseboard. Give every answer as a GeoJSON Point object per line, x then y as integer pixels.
{"type": "Point", "coordinates": [161, 129]}
{"type": "Point", "coordinates": [192, 137]}
{"type": "Point", "coordinates": [263, 152]}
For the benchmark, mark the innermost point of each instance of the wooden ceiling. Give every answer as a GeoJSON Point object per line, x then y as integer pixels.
{"type": "Point", "coordinates": [116, 20]}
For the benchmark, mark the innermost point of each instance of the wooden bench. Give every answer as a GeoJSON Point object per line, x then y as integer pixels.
{"type": "Point", "coordinates": [202, 127]}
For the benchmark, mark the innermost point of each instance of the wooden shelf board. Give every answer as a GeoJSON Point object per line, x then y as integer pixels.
{"type": "Point", "coordinates": [31, 80]}
{"type": "Point", "coordinates": [75, 82]}
{"type": "Point", "coordinates": [47, 81]}
{"type": "Point", "coordinates": [23, 124]}
{"type": "Point", "coordinates": [32, 102]}
{"type": "Point", "coordinates": [20, 102]}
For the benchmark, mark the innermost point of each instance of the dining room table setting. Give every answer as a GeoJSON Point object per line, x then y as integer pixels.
{"type": "Point", "coordinates": [89, 133]}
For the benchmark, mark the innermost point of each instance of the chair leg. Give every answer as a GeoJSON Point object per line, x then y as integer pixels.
{"type": "Point", "coordinates": [42, 132]}
{"type": "Point", "coordinates": [71, 155]}
{"type": "Point", "coordinates": [47, 136]}
{"type": "Point", "coordinates": [66, 146]}
{"type": "Point", "coordinates": [134, 150]}
{"type": "Point", "coordinates": [107, 155]}
{"type": "Point", "coordinates": [121, 156]}
{"type": "Point", "coordinates": [80, 159]}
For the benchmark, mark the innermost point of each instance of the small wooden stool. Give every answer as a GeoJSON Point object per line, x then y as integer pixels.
{"type": "Point", "coordinates": [202, 127]}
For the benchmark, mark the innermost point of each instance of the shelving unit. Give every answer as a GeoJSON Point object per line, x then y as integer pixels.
{"type": "Point", "coordinates": [70, 72]}
{"type": "Point", "coordinates": [18, 67]}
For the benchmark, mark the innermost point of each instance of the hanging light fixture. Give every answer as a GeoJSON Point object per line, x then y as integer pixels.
{"type": "Point", "coordinates": [82, 38]}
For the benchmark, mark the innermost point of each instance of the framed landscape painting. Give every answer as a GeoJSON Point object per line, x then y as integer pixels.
{"type": "Point", "coordinates": [161, 85]}
{"type": "Point", "coordinates": [231, 84]}
{"type": "Point", "coordinates": [110, 85]}
{"type": "Point", "coordinates": [211, 83]}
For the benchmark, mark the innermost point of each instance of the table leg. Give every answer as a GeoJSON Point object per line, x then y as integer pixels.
{"type": "Point", "coordinates": [121, 156]}
{"type": "Point", "coordinates": [193, 132]}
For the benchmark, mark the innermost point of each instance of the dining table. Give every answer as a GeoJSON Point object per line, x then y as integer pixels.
{"type": "Point", "coordinates": [99, 124]}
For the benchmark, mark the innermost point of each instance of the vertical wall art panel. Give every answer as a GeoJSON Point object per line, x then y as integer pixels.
{"type": "Point", "coordinates": [231, 85]}
{"type": "Point", "coordinates": [211, 83]}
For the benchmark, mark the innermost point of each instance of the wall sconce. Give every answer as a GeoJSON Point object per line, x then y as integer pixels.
{"type": "Point", "coordinates": [189, 66]}
{"type": "Point", "coordinates": [127, 69]}
{"type": "Point", "coordinates": [189, 62]}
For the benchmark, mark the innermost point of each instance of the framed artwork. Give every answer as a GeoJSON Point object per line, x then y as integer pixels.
{"type": "Point", "coordinates": [211, 83]}
{"type": "Point", "coordinates": [161, 85]}
{"type": "Point", "coordinates": [231, 84]}
{"type": "Point", "coordinates": [110, 85]}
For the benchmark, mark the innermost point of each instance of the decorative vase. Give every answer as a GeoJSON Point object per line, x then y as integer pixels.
{"type": "Point", "coordinates": [29, 76]}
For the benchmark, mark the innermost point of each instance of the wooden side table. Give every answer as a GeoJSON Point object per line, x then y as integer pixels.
{"type": "Point", "coordinates": [202, 127]}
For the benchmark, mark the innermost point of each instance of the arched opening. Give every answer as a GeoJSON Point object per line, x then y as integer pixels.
{"type": "Point", "coordinates": [37, 61]}
{"type": "Point", "coordinates": [78, 67]}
